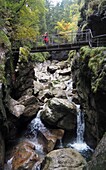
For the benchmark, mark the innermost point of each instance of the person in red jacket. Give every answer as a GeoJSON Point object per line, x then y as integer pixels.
{"type": "Point", "coordinates": [45, 38]}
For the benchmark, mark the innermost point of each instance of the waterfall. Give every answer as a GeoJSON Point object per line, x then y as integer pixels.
{"type": "Point", "coordinates": [79, 143]}
{"type": "Point", "coordinates": [80, 125]}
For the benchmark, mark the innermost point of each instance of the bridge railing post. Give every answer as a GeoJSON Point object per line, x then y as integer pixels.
{"type": "Point", "coordinates": [97, 42]}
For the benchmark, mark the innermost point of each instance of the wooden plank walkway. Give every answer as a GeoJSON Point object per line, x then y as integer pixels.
{"type": "Point", "coordinates": [60, 47]}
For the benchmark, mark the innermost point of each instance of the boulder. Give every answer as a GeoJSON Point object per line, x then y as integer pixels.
{"type": "Point", "coordinates": [27, 100]}
{"type": "Point", "coordinates": [42, 135]}
{"type": "Point", "coordinates": [24, 157]}
{"type": "Point", "coordinates": [60, 113]}
{"type": "Point", "coordinates": [37, 87]}
{"type": "Point", "coordinates": [51, 69]}
{"type": "Point", "coordinates": [59, 93]}
{"type": "Point", "coordinates": [50, 137]}
{"type": "Point", "coordinates": [64, 159]}
{"type": "Point", "coordinates": [16, 108]}
{"type": "Point", "coordinates": [31, 104]}
{"type": "Point", "coordinates": [59, 55]}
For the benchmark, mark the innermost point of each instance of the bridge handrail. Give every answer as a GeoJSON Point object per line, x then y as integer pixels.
{"type": "Point", "coordinates": [99, 40]}
{"type": "Point", "coordinates": [59, 39]}
{"type": "Point", "coordinates": [100, 36]}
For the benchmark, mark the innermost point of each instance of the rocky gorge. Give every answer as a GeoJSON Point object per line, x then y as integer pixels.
{"type": "Point", "coordinates": [45, 96]}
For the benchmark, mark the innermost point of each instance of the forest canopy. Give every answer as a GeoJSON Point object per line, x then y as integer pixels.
{"type": "Point", "coordinates": [21, 19]}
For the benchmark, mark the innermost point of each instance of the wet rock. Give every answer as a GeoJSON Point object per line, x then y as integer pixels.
{"type": "Point", "coordinates": [2, 152]}
{"type": "Point", "coordinates": [98, 160]}
{"type": "Point", "coordinates": [49, 138]}
{"type": "Point", "coordinates": [64, 159]}
{"type": "Point", "coordinates": [60, 113]}
{"type": "Point", "coordinates": [45, 136]}
{"type": "Point", "coordinates": [31, 110]}
{"type": "Point", "coordinates": [24, 157]}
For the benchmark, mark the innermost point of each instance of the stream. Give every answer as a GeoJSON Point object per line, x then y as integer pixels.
{"type": "Point", "coordinates": [36, 128]}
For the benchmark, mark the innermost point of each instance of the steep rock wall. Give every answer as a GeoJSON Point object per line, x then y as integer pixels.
{"type": "Point", "coordinates": [93, 16]}
{"type": "Point", "coordinates": [89, 76]}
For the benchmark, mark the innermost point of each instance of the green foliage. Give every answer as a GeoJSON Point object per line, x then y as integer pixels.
{"type": "Point", "coordinates": [71, 25]}
{"type": "Point", "coordinates": [24, 54]}
{"type": "Point", "coordinates": [4, 40]}
{"type": "Point", "coordinates": [39, 57]}
{"type": "Point", "coordinates": [71, 54]}
{"type": "Point", "coordinates": [21, 18]}
{"type": "Point", "coordinates": [54, 82]}
{"type": "Point", "coordinates": [2, 73]}
{"type": "Point", "coordinates": [85, 52]}
{"type": "Point", "coordinates": [65, 11]}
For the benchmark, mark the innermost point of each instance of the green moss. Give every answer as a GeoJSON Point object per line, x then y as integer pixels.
{"type": "Point", "coordinates": [39, 57]}
{"type": "Point", "coordinates": [24, 54]}
{"type": "Point", "coordinates": [99, 83]}
{"type": "Point", "coordinates": [85, 52]}
{"type": "Point", "coordinates": [2, 73]}
{"type": "Point", "coordinates": [4, 40]}
{"type": "Point", "coordinates": [95, 63]}
{"type": "Point", "coordinates": [71, 54]}
{"type": "Point", "coordinates": [55, 82]}
{"type": "Point", "coordinates": [94, 60]}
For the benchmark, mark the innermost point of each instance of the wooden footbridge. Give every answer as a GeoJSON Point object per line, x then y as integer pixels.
{"type": "Point", "coordinates": [61, 42]}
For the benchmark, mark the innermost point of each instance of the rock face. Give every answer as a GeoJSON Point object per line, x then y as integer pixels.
{"type": "Point", "coordinates": [99, 157]}
{"type": "Point", "coordinates": [60, 56]}
{"type": "Point", "coordinates": [24, 80]}
{"type": "Point", "coordinates": [94, 16]}
{"type": "Point", "coordinates": [60, 113]}
{"type": "Point", "coordinates": [91, 87]}
{"type": "Point", "coordinates": [64, 159]}
{"type": "Point", "coordinates": [2, 152]}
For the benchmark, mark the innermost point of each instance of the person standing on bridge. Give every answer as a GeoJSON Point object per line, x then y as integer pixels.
{"type": "Point", "coordinates": [46, 38]}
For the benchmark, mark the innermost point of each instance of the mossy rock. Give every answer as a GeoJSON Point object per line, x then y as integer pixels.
{"type": "Point", "coordinates": [2, 73]}
{"type": "Point", "coordinates": [95, 60]}
{"type": "Point", "coordinates": [4, 40]}
{"type": "Point", "coordinates": [71, 54]}
{"type": "Point", "coordinates": [24, 54]}
{"type": "Point", "coordinates": [39, 57]}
